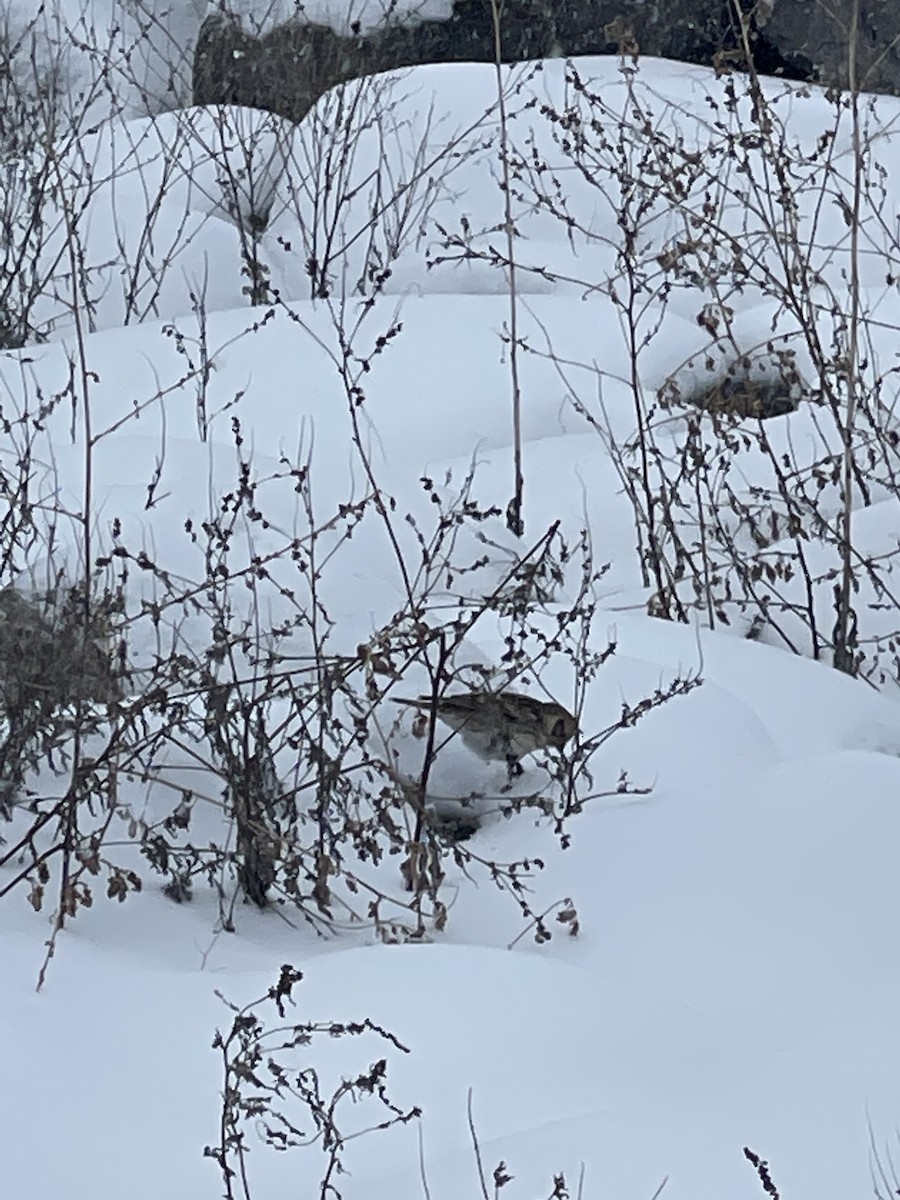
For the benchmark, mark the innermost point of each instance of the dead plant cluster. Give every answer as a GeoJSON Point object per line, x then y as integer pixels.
{"type": "Point", "coordinates": [218, 729]}
{"type": "Point", "coordinates": [752, 464]}
{"type": "Point", "coordinates": [271, 1093]}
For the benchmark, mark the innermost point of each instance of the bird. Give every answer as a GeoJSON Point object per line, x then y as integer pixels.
{"type": "Point", "coordinates": [501, 726]}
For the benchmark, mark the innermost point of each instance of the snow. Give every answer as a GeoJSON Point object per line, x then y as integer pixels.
{"type": "Point", "coordinates": [733, 985]}
{"type": "Point", "coordinates": [733, 982]}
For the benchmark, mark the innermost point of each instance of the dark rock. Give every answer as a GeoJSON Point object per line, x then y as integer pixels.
{"type": "Point", "coordinates": [818, 34]}
{"type": "Point", "coordinates": [284, 72]}
{"type": "Point", "coordinates": [287, 69]}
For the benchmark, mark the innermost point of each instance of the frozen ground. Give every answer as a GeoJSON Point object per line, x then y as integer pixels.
{"type": "Point", "coordinates": [734, 982]}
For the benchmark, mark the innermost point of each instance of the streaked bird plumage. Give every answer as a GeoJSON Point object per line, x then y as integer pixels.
{"type": "Point", "coordinates": [501, 726]}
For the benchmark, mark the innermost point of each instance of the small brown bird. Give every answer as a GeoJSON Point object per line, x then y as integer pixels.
{"type": "Point", "coordinates": [502, 726]}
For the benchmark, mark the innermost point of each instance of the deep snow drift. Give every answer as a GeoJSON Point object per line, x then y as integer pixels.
{"type": "Point", "coordinates": [733, 982]}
